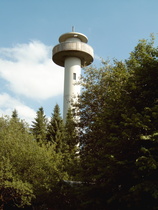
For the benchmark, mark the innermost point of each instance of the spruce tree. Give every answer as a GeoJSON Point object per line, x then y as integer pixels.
{"type": "Point", "coordinates": [70, 131]}
{"type": "Point", "coordinates": [15, 114]}
{"type": "Point", "coordinates": [39, 126]}
{"type": "Point", "coordinates": [15, 119]}
{"type": "Point", "coordinates": [71, 140]}
{"type": "Point", "coordinates": [56, 130]}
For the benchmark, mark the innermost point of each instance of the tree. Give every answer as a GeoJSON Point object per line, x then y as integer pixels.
{"type": "Point", "coordinates": [39, 126]}
{"type": "Point", "coordinates": [56, 130]}
{"type": "Point", "coordinates": [71, 141]}
{"type": "Point", "coordinates": [118, 131]}
{"type": "Point", "coordinates": [15, 114]}
{"type": "Point", "coordinates": [71, 131]}
{"type": "Point", "coordinates": [29, 172]}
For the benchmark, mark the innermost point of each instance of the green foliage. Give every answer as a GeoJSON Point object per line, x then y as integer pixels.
{"type": "Point", "coordinates": [72, 148]}
{"type": "Point", "coordinates": [15, 114]}
{"type": "Point", "coordinates": [117, 132]}
{"type": "Point", "coordinates": [12, 189]}
{"type": "Point", "coordinates": [118, 109]}
{"type": "Point", "coordinates": [55, 133]}
{"type": "Point", "coordinates": [70, 131]}
{"type": "Point", "coordinates": [39, 126]}
{"type": "Point", "coordinates": [28, 170]}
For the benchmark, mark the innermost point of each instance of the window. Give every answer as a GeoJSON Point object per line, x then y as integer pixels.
{"type": "Point", "coordinates": [74, 76]}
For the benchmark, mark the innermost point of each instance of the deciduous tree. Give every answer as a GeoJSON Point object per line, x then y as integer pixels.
{"type": "Point", "coordinates": [29, 172]}
{"type": "Point", "coordinates": [117, 107]}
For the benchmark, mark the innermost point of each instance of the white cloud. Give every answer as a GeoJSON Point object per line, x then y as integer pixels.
{"type": "Point", "coordinates": [8, 104]}
{"type": "Point", "coordinates": [29, 71]}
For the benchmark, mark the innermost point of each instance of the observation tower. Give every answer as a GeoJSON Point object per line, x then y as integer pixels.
{"type": "Point", "coordinates": [73, 53]}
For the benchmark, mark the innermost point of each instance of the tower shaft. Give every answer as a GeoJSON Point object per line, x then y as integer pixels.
{"type": "Point", "coordinates": [71, 77]}
{"type": "Point", "coordinates": [72, 53]}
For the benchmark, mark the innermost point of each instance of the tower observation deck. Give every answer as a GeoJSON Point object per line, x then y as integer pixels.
{"type": "Point", "coordinates": [72, 52]}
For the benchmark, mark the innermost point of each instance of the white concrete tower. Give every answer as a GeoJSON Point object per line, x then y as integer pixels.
{"type": "Point", "coordinates": [72, 52]}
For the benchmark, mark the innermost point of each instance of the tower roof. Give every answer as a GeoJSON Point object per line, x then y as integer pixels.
{"type": "Point", "coordinates": [66, 36]}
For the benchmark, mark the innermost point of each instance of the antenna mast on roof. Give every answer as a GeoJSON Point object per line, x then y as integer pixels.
{"type": "Point", "coordinates": [73, 28]}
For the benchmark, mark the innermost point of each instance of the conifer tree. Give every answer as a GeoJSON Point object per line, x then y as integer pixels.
{"type": "Point", "coordinates": [15, 114]}
{"type": "Point", "coordinates": [56, 129]}
{"type": "Point", "coordinates": [39, 126]}
{"type": "Point", "coordinates": [15, 119]}
{"type": "Point", "coordinates": [70, 131]}
{"type": "Point", "coordinates": [71, 140]}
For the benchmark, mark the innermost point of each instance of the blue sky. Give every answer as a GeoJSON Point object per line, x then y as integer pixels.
{"type": "Point", "coordinates": [29, 30]}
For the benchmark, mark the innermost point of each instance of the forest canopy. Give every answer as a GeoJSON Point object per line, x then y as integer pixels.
{"type": "Point", "coordinates": [107, 160]}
